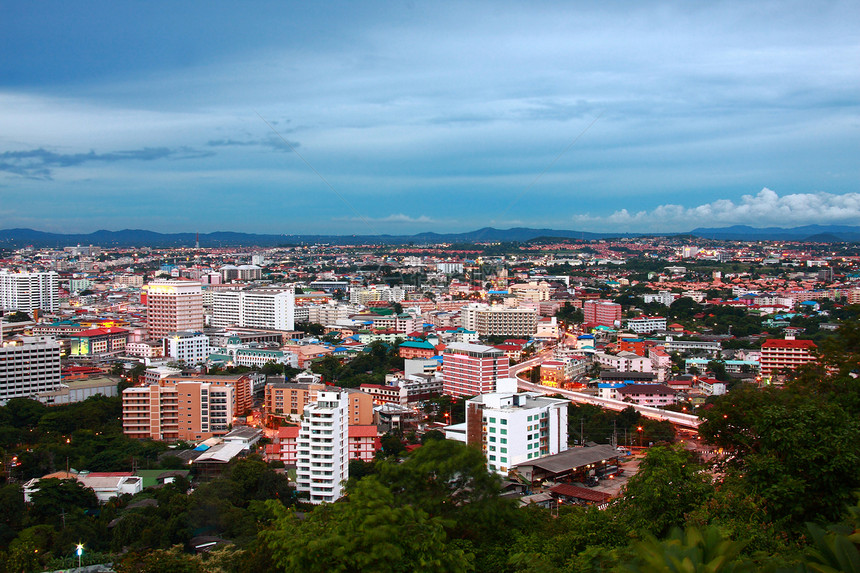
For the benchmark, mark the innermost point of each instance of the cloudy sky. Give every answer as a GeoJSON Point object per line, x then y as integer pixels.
{"type": "Point", "coordinates": [402, 117]}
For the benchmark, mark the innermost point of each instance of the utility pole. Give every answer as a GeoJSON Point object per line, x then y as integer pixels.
{"type": "Point", "coordinates": [582, 431]}
{"type": "Point", "coordinates": [614, 435]}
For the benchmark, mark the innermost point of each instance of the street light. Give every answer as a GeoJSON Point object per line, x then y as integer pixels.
{"type": "Point", "coordinates": [79, 550]}
{"type": "Point", "coordinates": [639, 429]}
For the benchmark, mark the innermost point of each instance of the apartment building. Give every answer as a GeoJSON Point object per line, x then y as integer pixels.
{"type": "Point", "coordinates": [182, 409]}
{"type": "Point", "coordinates": [362, 443]}
{"type": "Point", "coordinates": [27, 292]}
{"type": "Point", "coordinates": [472, 369]}
{"type": "Point", "coordinates": [601, 312]}
{"type": "Point", "coordinates": [289, 399]}
{"type": "Point", "coordinates": [499, 320]}
{"type": "Point", "coordinates": [173, 306]}
{"type": "Point", "coordinates": [788, 353]}
{"type": "Point", "coordinates": [272, 308]}
{"type": "Point", "coordinates": [28, 366]}
{"type": "Point", "coordinates": [647, 324]}
{"type": "Point", "coordinates": [96, 341]}
{"type": "Point", "coordinates": [192, 348]}
{"type": "Point", "coordinates": [512, 427]}
{"type": "Point", "coordinates": [322, 463]}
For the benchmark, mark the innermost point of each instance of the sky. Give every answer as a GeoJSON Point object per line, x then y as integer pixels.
{"type": "Point", "coordinates": [405, 117]}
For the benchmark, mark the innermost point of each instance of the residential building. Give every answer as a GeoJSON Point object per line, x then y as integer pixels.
{"type": "Point", "coordinates": [26, 292]}
{"type": "Point", "coordinates": [288, 399]}
{"type": "Point", "coordinates": [184, 408]}
{"type": "Point", "coordinates": [646, 324]}
{"type": "Point", "coordinates": [472, 369]}
{"type": "Point", "coordinates": [498, 320]}
{"type": "Point", "coordinates": [405, 391]}
{"type": "Point", "coordinates": [322, 463]}
{"type": "Point", "coordinates": [173, 306]}
{"type": "Point", "coordinates": [363, 443]}
{"type": "Point", "coordinates": [646, 394]}
{"type": "Point", "coordinates": [601, 312]}
{"type": "Point", "coordinates": [192, 348]}
{"type": "Point", "coordinates": [532, 291]}
{"type": "Point", "coordinates": [272, 308]}
{"type": "Point", "coordinates": [624, 361]}
{"type": "Point", "coordinates": [788, 353]}
{"type": "Point", "coordinates": [28, 366]}
{"type": "Point", "coordinates": [512, 427]}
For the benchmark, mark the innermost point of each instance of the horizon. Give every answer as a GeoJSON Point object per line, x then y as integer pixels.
{"type": "Point", "coordinates": [375, 119]}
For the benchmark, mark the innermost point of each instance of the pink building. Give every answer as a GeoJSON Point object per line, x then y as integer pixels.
{"type": "Point", "coordinates": [601, 312]}
{"type": "Point", "coordinates": [472, 369]}
{"type": "Point", "coordinates": [173, 306]}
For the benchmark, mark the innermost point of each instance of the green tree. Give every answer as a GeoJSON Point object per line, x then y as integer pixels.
{"type": "Point", "coordinates": [690, 551]}
{"type": "Point", "coordinates": [669, 484]}
{"type": "Point", "coordinates": [369, 532]}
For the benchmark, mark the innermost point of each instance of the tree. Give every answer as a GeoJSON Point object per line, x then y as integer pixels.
{"type": "Point", "coordinates": [369, 532]}
{"type": "Point", "coordinates": [690, 551]}
{"type": "Point", "coordinates": [669, 484]}
{"type": "Point", "coordinates": [17, 316]}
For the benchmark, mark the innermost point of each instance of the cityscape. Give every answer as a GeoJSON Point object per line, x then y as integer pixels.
{"type": "Point", "coordinates": [559, 366]}
{"type": "Point", "coordinates": [545, 287]}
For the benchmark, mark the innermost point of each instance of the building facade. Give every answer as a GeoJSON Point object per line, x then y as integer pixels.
{"type": "Point", "coordinates": [788, 353]}
{"type": "Point", "coordinates": [322, 453]}
{"type": "Point", "coordinates": [472, 369]}
{"type": "Point", "coordinates": [28, 366]}
{"type": "Point", "coordinates": [173, 306]}
{"type": "Point", "coordinates": [259, 308]}
{"type": "Point", "coordinates": [499, 320]}
{"type": "Point", "coordinates": [27, 292]}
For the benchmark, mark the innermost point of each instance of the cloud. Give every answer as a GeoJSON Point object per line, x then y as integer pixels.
{"type": "Point", "coordinates": [767, 208]}
{"type": "Point", "coordinates": [271, 141]}
{"type": "Point", "coordinates": [39, 163]}
{"type": "Point", "coordinates": [393, 218]}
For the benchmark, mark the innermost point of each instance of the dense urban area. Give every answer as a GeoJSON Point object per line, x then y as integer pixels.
{"type": "Point", "coordinates": [555, 405]}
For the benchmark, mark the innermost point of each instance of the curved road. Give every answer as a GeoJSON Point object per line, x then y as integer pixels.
{"type": "Point", "coordinates": [677, 418]}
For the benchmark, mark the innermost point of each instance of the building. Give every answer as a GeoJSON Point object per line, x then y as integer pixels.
{"type": "Point", "coordinates": [601, 312]}
{"type": "Point", "coordinates": [646, 324]}
{"type": "Point", "coordinates": [179, 408]}
{"type": "Point", "coordinates": [513, 428]}
{"type": "Point", "coordinates": [472, 369]}
{"type": "Point", "coordinates": [624, 362]}
{"type": "Point", "coordinates": [99, 341]}
{"type": "Point", "coordinates": [498, 320]}
{"type": "Point", "coordinates": [192, 348]}
{"type": "Point", "coordinates": [646, 394]}
{"type": "Point", "coordinates": [363, 443]}
{"type": "Point", "coordinates": [71, 391]}
{"type": "Point", "coordinates": [406, 391]}
{"type": "Point", "coordinates": [272, 308]}
{"type": "Point", "coordinates": [26, 292]}
{"type": "Point", "coordinates": [173, 306]}
{"type": "Point", "coordinates": [532, 291]}
{"type": "Point", "coordinates": [28, 366]}
{"type": "Point", "coordinates": [106, 485]}
{"type": "Point", "coordinates": [187, 410]}
{"type": "Point", "coordinates": [289, 399]}
{"type": "Point", "coordinates": [788, 353]}
{"type": "Point", "coordinates": [322, 463]}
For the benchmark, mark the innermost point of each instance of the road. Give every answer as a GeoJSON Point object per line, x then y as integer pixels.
{"type": "Point", "coordinates": [677, 418]}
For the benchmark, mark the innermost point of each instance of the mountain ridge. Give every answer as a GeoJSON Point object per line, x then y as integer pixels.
{"type": "Point", "coordinates": [19, 237]}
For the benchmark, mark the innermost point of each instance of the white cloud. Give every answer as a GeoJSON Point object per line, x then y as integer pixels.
{"type": "Point", "coordinates": [393, 218]}
{"type": "Point", "coordinates": [764, 209]}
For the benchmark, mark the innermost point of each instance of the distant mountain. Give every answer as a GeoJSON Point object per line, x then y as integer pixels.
{"type": "Point", "coordinates": [806, 233]}
{"type": "Point", "coordinates": [142, 238]}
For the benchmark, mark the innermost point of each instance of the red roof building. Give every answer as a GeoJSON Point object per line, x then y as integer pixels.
{"type": "Point", "coordinates": [788, 353]}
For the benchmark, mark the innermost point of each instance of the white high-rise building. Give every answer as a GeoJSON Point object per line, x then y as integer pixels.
{"type": "Point", "coordinates": [499, 320]}
{"type": "Point", "coordinates": [513, 428]}
{"type": "Point", "coordinates": [173, 306]}
{"type": "Point", "coordinates": [27, 292]}
{"type": "Point", "coordinates": [258, 308]}
{"type": "Point", "coordinates": [322, 458]}
{"type": "Point", "coordinates": [192, 348]}
{"type": "Point", "coordinates": [28, 366]}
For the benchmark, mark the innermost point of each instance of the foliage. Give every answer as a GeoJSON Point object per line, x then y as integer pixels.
{"type": "Point", "coordinates": [690, 551]}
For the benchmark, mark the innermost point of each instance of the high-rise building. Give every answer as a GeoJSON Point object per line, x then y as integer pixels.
{"type": "Point", "coordinates": [27, 292]}
{"type": "Point", "coordinates": [499, 320]}
{"type": "Point", "coordinates": [173, 306]}
{"type": "Point", "coordinates": [178, 408]}
{"type": "Point", "coordinates": [512, 427]}
{"type": "Point", "coordinates": [258, 308]}
{"type": "Point", "coordinates": [601, 312]}
{"type": "Point", "coordinates": [322, 453]}
{"type": "Point", "coordinates": [472, 369]}
{"type": "Point", "coordinates": [28, 366]}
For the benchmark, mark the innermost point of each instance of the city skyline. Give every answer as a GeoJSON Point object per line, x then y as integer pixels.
{"type": "Point", "coordinates": [387, 119]}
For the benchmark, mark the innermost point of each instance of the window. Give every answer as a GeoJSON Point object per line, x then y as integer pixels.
{"type": "Point", "coordinates": [504, 421]}
{"type": "Point", "coordinates": [492, 458]}
{"type": "Point", "coordinates": [504, 440]}
{"type": "Point", "coordinates": [504, 431]}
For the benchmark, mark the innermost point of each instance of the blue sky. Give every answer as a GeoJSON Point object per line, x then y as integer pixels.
{"type": "Point", "coordinates": [442, 116]}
